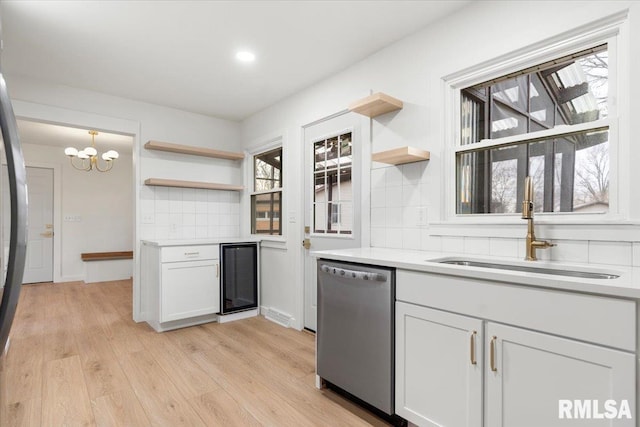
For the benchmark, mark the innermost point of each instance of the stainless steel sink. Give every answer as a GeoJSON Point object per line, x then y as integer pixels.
{"type": "Point", "coordinates": [529, 269]}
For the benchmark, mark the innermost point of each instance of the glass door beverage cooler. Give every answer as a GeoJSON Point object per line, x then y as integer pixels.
{"type": "Point", "coordinates": [239, 287]}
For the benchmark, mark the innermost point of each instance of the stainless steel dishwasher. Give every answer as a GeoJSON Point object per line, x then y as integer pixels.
{"type": "Point", "coordinates": [355, 331]}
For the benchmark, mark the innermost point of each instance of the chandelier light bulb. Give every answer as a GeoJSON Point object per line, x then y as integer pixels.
{"type": "Point", "coordinates": [92, 154]}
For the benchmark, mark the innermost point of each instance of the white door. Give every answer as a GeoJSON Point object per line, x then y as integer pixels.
{"type": "Point", "coordinates": [530, 372]}
{"type": "Point", "coordinates": [438, 367]}
{"type": "Point", "coordinates": [39, 263]}
{"type": "Point", "coordinates": [332, 171]}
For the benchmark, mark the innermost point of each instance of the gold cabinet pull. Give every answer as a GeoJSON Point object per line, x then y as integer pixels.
{"type": "Point", "coordinates": [472, 348]}
{"type": "Point", "coordinates": [492, 353]}
{"type": "Point", "coordinates": [47, 234]}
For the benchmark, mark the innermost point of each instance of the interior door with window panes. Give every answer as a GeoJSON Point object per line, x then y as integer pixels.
{"type": "Point", "coordinates": [332, 195]}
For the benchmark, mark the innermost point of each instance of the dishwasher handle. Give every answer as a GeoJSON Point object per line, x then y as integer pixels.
{"type": "Point", "coordinates": [353, 274]}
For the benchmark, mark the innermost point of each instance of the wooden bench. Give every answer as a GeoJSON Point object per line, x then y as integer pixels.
{"type": "Point", "coordinates": [103, 256]}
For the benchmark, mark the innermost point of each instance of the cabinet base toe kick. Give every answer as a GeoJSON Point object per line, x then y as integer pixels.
{"type": "Point", "coordinates": [183, 323]}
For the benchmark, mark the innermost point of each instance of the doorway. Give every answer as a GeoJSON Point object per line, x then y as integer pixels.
{"type": "Point", "coordinates": [332, 201]}
{"type": "Point", "coordinates": [39, 261]}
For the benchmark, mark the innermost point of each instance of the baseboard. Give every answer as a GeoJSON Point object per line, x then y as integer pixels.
{"type": "Point", "coordinates": [278, 316]}
{"type": "Point", "coordinates": [71, 279]}
{"type": "Point", "coordinates": [224, 318]}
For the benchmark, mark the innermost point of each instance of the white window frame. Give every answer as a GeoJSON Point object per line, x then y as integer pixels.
{"type": "Point", "coordinates": [611, 30]}
{"type": "Point", "coordinates": [271, 144]}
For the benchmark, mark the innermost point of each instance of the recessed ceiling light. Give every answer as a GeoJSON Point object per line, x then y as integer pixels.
{"type": "Point", "coordinates": [245, 56]}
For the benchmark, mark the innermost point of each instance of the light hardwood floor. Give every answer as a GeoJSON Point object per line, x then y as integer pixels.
{"type": "Point", "coordinates": [77, 359]}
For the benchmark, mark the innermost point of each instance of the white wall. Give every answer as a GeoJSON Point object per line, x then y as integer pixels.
{"type": "Point", "coordinates": [65, 105]}
{"type": "Point", "coordinates": [103, 201]}
{"type": "Point", "coordinates": [412, 71]}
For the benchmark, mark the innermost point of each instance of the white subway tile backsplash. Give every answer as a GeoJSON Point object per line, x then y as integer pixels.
{"type": "Point", "coordinates": [377, 217]}
{"type": "Point", "coordinates": [378, 178]}
{"type": "Point", "coordinates": [393, 176]}
{"type": "Point", "coordinates": [570, 251]}
{"type": "Point", "coordinates": [393, 238]}
{"type": "Point", "coordinates": [202, 232]}
{"type": "Point", "coordinates": [378, 237]}
{"type": "Point", "coordinates": [411, 238]}
{"type": "Point", "coordinates": [188, 219]}
{"type": "Point", "coordinates": [202, 219]}
{"type": "Point", "coordinates": [411, 195]}
{"type": "Point", "coordinates": [202, 206]}
{"type": "Point", "coordinates": [189, 232]}
{"type": "Point", "coordinates": [616, 253]}
{"type": "Point", "coordinates": [147, 193]}
{"type": "Point", "coordinates": [162, 218]}
{"type": "Point", "coordinates": [162, 232]}
{"type": "Point", "coordinates": [430, 243]}
{"type": "Point", "coordinates": [452, 244]}
{"type": "Point", "coordinates": [183, 213]}
{"type": "Point", "coordinates": [500, 247]}
{"type": "Point", "coordinates": [213, 196]}
{"type": "Point", "coordinates": [175, 194]}
{"type": "Point", "coordinates": [394, 197]}
{"type": "Point", "coordinates": [160, 192]}
{"type": "Point", "coordinates": [412, 173]}
{"type": "Point", "coordinates": [147, 206]}
{"type": "Point", "coordinates": [175, 206]}
{"type": "Point", "coordinates": [393, 217]}
{"type": "Point", "coordinates": [476, 245]}
{"type": "Point", "coordinates": [161, 206]}
{"type": "Point", "coordinates": [189, 206]}
{"type": "Point", "coordinates": [636, 254]}
{"type": "Point", "coordinates": [378, 198]}
{"type": "Point", "coordinates": [410, 216]}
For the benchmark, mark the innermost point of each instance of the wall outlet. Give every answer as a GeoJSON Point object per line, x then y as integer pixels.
{"type": "Point", "coordinates": [72, 218]}
{"type": "Point", "coordinates": [421, 216]}
{"type": "Point", "coordinates": [148, 219]}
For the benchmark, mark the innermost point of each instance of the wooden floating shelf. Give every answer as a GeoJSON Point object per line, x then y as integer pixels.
{"type": "Point", "coordinates": [196, 151]}
{"type": "Point", "coordinates": [375, 105]}
{"type": "Point", "coordinates": [400, 156]}
{"type": "Point", "coordinates": [104, 256]}
{"type": "Point", "coordinates": [191, 184]}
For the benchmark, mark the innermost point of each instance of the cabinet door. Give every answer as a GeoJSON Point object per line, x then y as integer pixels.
{"type": "Point", "coordinates": [189, 289]}
{"type": "Point", "coordinates": [530, 372]}
{"type": "Point", "coordinates": [438, 367]}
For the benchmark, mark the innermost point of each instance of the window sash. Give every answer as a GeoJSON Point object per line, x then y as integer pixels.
{"type": "Point", "coordinates": [556, 132]}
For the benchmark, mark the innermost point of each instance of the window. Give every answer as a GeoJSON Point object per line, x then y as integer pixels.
{"type": "Point", "coordinates": [266, 200]}
{"type": "Point", "coordinates": [332, 197]}
{"type": "Point", "coordinates": [549, 122]}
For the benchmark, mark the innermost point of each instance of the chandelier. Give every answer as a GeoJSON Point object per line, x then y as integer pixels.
{"type": "Point", "coordinates": [89, 156]}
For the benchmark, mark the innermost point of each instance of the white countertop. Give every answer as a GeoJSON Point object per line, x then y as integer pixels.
{"type": "Point", "coordinates": [194, 242]}
{"type": "Point", "coordinates": [627, 285]}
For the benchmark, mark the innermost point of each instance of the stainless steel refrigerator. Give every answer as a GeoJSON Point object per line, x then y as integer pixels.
{"type": "Point", "coordinates": [17, 180]}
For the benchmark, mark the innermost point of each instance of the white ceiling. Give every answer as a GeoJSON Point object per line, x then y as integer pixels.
{"type": "Point", "coordinates": [62, 136]}
{"type": "Point", "coordinates": [181, 53]}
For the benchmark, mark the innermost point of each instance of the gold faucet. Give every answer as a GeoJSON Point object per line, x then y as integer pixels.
{"type": "Point", "coordinates": [527, 213]}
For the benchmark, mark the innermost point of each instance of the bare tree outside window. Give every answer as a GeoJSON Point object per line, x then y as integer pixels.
{"type": "Point", "coordinates": [570, 169]}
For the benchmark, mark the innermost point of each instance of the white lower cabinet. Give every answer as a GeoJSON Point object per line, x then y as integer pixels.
{"type": "Point", "coordinates": [473, 353]}
{"type": "Point", "coordinates": [180, 285]}
{"type": "Point", "coordinates": [439, 361]}
{"type": "Point", "coordinates": [531, 374]}
{"type": "Point", "coordinates": [189, 289]}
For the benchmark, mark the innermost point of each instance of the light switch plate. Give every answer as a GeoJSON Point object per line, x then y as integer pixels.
{"type": "Point", "coordinates": [421, 216]}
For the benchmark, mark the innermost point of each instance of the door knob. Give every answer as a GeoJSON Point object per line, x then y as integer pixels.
{"type": "Point", "coordinates": [47, 234]}
{"type": "Point", "coordinates": [306, 243]}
